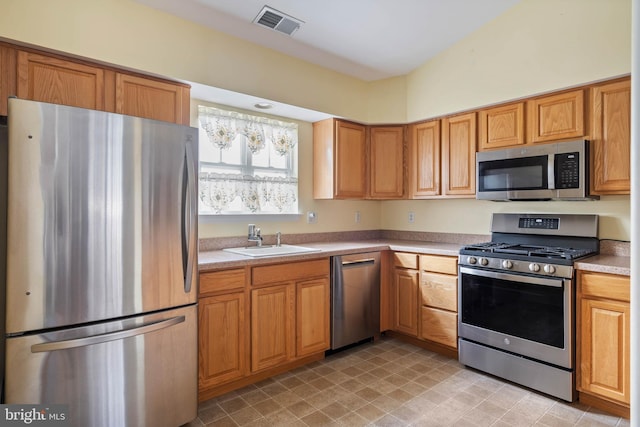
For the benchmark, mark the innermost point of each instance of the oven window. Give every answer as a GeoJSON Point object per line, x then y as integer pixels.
{"type": "Point", "coordinates": [532, 312]}
{"type": "Point", "coordinates": [527, 173]}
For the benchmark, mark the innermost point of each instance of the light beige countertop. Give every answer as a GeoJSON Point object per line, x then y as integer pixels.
{"type": "Point", "coordinates": [219, 259]}
{"type": "Point", "coordinates": [605, 263]}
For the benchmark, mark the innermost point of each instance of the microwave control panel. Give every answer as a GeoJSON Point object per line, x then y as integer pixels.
{"type": "Point", "coordinates": [567, 170]}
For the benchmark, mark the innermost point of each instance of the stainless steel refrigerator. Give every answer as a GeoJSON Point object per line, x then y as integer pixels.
{"type": "Point", "coordinates": [101, 265]}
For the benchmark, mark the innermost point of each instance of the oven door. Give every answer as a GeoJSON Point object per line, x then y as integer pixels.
{"type": "Point", "coordinates": [526, 315]}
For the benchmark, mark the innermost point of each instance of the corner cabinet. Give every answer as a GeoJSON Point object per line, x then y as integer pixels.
{"type": "Point", "coordinates": [386, 162]}
{"type": "Point", "coordinates": [339, 160]}
{"type": "Point", "coordinates": [45, 77]}
{"type": "Point", "coordinates": [611, 138]}
{"type": "Point", "coordinates": [459, 155]}
{"type": "Point", "coordinates": [405, 293]}
{"type": "Point", "coordinates": [604, 322]}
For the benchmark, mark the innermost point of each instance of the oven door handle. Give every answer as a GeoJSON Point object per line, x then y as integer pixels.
{"type": "Point", "coordinates": [555, 282]}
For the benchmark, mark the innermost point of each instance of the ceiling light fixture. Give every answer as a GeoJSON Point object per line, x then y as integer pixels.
{"type": "Point", "coordinates": [263, 105]}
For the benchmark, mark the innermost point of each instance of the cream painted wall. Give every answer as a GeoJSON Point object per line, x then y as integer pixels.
{"type": "Point", "coordinates": [132, 35]}
{"type": "Point", "coordinates": [470, 216]}
{"type": "Point", "coordinates": [537, 46]}
{"type": "Point", "coordinates": [534, 47]}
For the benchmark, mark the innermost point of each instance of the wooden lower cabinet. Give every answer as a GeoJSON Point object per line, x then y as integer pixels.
{"type": "Point", "coordinates": [313, 305]}
{"type": "Point", "coordinates": [256, 322]}
{"type": "Point", "coordinates": [222, 334]}
{"type": "Point", "coordinates": [604, 321]}
{"type": "Point", "coordinates": [405, 293]}
{"type": "Point", "coordinates": [272, 334]}
{"type": "Point", "coordinates": [439, 299]}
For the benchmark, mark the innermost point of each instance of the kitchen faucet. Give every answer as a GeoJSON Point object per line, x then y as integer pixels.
{"type": "Point", "coordinates": [254, 234]}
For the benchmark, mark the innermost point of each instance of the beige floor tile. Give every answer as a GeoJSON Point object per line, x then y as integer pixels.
{"type": "Point", "coordinates": [391, 383]}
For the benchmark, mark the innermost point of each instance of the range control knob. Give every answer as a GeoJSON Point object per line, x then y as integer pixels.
{"type": "Point", "coordinates": [549, 269]}
{"type": "Point", "coordinates": [472, 260]}
{"type": "Point", "coordinates": [534, 267]}
{"type": "Point", "coordinates": [484, 261]}
{"type": "Point", "coordinates": [507, 264]}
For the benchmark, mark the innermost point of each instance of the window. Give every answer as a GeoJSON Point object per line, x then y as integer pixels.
{"type": "Point", "coordinates": [248, 164]}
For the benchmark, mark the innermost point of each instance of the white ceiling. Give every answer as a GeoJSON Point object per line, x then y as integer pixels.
{"type": "Point", "coordinates": [367, 39]}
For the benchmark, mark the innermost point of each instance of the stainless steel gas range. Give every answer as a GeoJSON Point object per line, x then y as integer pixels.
{"type": "Point", "coordinates": [516, 301]}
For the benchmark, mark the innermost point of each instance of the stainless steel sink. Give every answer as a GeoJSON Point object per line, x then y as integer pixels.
{"type": "Point", "coordinates": [267, 250]}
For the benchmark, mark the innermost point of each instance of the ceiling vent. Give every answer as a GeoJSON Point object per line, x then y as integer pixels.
{"type": "Point", "coordinates": [275, 20]}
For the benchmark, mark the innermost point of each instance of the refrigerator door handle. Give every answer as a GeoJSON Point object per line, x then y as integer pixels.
{"type": "Point", "coordinates": [102, 338]}
{"type": "Point", "coordinates": [189, 206]}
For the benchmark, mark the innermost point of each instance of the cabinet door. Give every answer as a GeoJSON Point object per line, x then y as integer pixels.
{"type": "Point", "coordinates": [350, 166]}
{"type": "Point", "coordinates": [222, 338]}
{"type": "Point", "coordinates": [7, 76]}
{"type": "Point", "coordinates": [312, 317]}
{"type": "Point", "coordinates": [272, 333]}
{"type": "Point", "coordinates": [556, 117]}
{"type": "Point", "coordinates": [501, 126]}
{"type": "Point", "coordinates": [439, 326]}
{"type": "Point", "coordinates": [50, 79]}
{"type": "Point", "coordinates": [605, 349]}
{"type": "Point", "coordinates": [406, 298]}
{"type": "Point", "coordinates": [459, 155]}
{"type": "Point", "coordinates": [386, 171]}
{"type": "Point", "coordinates": [142, 97]}
{"type": "Point", "coordinates": [611, 138]}
{"type": "Point", "coordinates": [425, 160]}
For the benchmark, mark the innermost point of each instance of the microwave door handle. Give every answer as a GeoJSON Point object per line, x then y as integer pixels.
{"type": "Point", "coordinates": [551, 168]}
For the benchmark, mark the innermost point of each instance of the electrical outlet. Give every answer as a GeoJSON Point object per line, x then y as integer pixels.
{"type": "Point", "coordinates": [412, 217]}
{"type": "Point", "coordinates": [312, 218]}
{"type": "Point", "coordinates": [357, 217]}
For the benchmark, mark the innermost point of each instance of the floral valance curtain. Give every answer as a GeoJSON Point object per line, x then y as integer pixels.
{"type": "Point", "coordinates": [255, 166]}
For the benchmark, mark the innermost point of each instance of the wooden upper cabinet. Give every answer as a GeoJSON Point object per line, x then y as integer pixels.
{"type": "Point", "coordinates": [424, 170]}
{"type": "Point", "coordinates": [59, 81]}
{"type": "Point", "coordinates": [611, 138]}
{"type": "Point", "coordinates": [459, 155]}
{"type": "Point", "coordinates": [339, 160]}
{"type": "Point", "coordinates": [7, 76]}
{"type": "Point", "coordinates": [386, 167]}
{"type": "Point", "coordinates": [556, 117]}
{"type": "Point", "coordinates": [501, 126]}
{"type": "Point", "coordinates": [152, 99]}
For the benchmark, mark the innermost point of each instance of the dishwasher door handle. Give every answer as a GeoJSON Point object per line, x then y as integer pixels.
{"type": "Point", "coordinates": [365, 261]}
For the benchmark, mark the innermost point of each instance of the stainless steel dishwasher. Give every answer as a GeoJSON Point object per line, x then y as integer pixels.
{"type": "Point", "coordinates": [355, 298]}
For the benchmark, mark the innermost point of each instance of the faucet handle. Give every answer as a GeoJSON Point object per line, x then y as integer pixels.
{"type": "Point", "coordinates": [278, 236]}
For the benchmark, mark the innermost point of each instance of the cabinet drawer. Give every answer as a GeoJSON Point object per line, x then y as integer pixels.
{"type": "Point", "coordinates": [439, 326]}
{"type": "Point", "coordinates": [222, 280]}
{"type": "Point", "coordinates": [439, 291]}
{"type": "Point", "coordinates": [602, 285]}
{"type": "Point", "coordinates": [405, 260]}
{"type": "Point", "coordinates": [439, 264]}
{"type": "Point", "coordinates": [279, 273]}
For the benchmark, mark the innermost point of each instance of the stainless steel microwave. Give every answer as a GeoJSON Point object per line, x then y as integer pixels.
{"type": "Point", "coordinates": [557, 171]}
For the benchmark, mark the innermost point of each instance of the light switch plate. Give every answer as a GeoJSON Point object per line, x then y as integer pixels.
{"type": "Point", "coordinates": [312, 217]}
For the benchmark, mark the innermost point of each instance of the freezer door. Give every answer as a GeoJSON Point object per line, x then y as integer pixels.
{"type": "Point", "coordinates": [136, 372]}
{"type": "Point", "coordinates": [102, 216]}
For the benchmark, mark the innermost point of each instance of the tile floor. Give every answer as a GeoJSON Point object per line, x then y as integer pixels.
{"type": "Point", "coordinates": [391, 383]}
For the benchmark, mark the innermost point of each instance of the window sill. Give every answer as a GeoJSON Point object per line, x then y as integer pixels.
{"type": "Point", "coordinates": [226, 218]}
